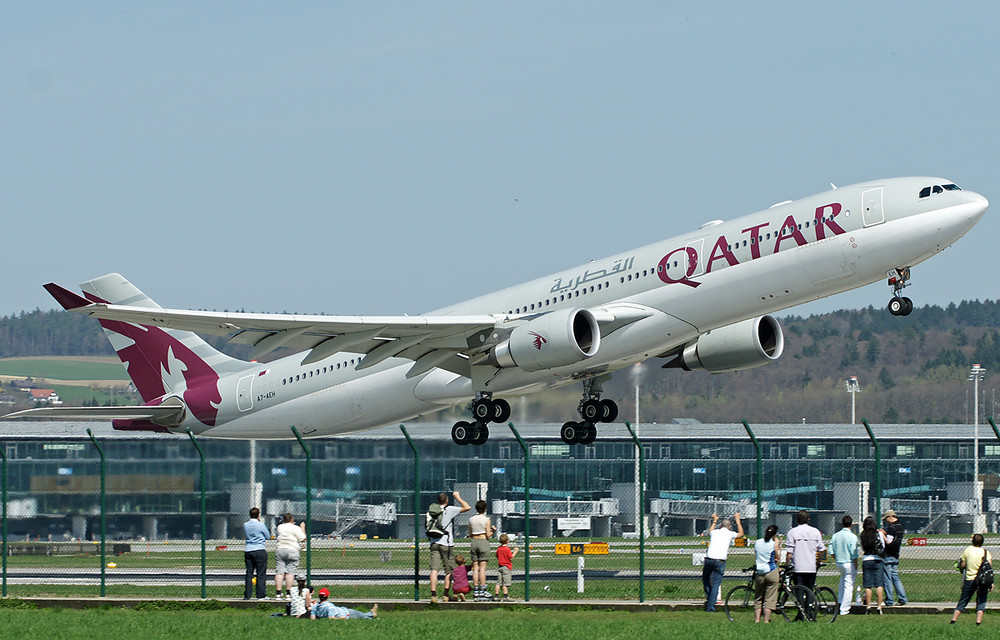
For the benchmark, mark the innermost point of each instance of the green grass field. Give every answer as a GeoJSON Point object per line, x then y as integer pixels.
{"type": "Point", "coordinates": [92, 368]}
{"type": "Point", "coordinates": [501, 624]}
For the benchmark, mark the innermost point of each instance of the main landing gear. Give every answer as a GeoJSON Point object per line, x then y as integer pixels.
{"type": "Point", "coordinates": [898, 279]}
{"type": "Point", "coordinates": [484, 411]}
{"type": "Point", "coordinates": [593, 410]}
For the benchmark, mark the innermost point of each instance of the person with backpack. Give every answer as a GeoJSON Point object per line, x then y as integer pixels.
{"type": "Point", "coordinates": [440, 527]}
{"type": "Point", "coordinates": [978, 565]}
{"type": "Point", "coordinates": [873, 543]}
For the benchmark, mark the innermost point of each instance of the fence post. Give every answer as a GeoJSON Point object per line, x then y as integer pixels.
{"type": "Point", "coordinates": [641, 525]}
{"type": "Point", "coordinates": [416, 515]}
{"type": "Point", "coordinates": [100, 451]}
{"type": "Point", "coordinates": [3, 480]}
{"type": "Point", "coordinates": [308, 504]}
{"type": "Point", "coordinates": [527, 513]}
{"type": "Point", "coordinates": [204, 530]}
{"type": "Point", "coordinates": [878, 470]}
{"type": "Point", "coordinates": [760, 474]}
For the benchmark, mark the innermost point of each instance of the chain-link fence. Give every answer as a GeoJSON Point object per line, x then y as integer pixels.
{"type": "Point", "coordinates": [162, 515]}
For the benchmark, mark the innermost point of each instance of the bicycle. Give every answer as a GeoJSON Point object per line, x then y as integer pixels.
{"type": "Point", "coordinates": [795, 602]}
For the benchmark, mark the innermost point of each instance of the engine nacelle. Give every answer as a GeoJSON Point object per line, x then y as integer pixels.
{"type": "Point", "coordinates": [556, 339]}
{"type": "Point", "coordinates": [735, 347]}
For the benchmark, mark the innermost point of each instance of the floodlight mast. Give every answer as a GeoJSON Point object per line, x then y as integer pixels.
{"type": "Point", "coordinates": [976, 373]}
{"type": "Point", "coordinates": [852, 388]}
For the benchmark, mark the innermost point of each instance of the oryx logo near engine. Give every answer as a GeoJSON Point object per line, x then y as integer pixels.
{"type": "Point", "coordinates": [539, 340]}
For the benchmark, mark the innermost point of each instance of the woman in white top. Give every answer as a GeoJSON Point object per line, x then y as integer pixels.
{"type": "Point", "coordinates": [290, 538]}
{"type": "Point", "coordinates": [765, 581]}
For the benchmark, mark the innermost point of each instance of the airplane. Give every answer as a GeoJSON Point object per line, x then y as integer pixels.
{"type": "Point", "coordinates": [700, 300]}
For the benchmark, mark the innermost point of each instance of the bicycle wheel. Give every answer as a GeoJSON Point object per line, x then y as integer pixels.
{"type": "Point", "coordinates": [797, 603]}
{"type": "Point", "coordinates": [739, 604]}
{"type": "Point", "coordinates": [827, 607]}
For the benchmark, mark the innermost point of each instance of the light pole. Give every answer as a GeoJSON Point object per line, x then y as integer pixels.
{"type": "Point", "coordinates": [852, 388]}
{"type": "Point", "coordinates": [637, 372]}
{"type": "Point", "coordinates": [976, 374]}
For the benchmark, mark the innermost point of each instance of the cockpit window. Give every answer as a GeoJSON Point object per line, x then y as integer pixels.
{"type": "Point", "coordinates": [926, 191]}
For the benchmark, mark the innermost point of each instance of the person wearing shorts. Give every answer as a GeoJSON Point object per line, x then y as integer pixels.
{"type": "Point", "coordinates": [873, 543]}
{"type": "Point", "coordinates": [289, 544]}
{"type": "Point", "coordinates": [505, 569]}
{"type": "Point", "coordinates": [480, 530]}
{"type": "Point", "coordinates": [443, 549]}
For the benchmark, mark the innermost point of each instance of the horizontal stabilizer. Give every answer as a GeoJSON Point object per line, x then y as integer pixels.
{"type": "Point", "coordinates": [65, 297]}
{"type": "Point", "coordinates": [166, 415]}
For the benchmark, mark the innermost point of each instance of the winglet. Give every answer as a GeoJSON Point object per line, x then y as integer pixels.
{"type": "Point", "coordinates": [65, 297]}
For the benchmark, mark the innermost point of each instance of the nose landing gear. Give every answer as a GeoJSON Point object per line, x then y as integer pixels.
{"type": "Point", "coordinates": [898, 279]}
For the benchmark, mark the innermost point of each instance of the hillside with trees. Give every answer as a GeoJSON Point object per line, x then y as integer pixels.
{"type": "Point", "coordinates": [911, 369]}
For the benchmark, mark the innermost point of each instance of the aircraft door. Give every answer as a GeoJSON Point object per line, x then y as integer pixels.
{"type": "Point", "coordinates": [699, 259]}
{"type": "Point", "coordinates": [871, 207]}
{"type": "Point", "coordinates": [244, 393]}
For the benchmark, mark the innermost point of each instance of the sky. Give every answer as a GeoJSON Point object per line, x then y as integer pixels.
{"type": "Point", "coordinates": [397, 157]}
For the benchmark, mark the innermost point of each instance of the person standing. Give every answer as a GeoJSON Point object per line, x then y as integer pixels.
{"type": "Point", "coordinates": [894, 592]}
{"type": "Point", "coordinates": [873, 543]}
{"type": "Point", "coordinates": [290, 537]}
{"type": "Point", "coordinates": [505, 567]}
{"type": "Point", "coordinates": [766, 576]}
{"type": "Point", "coordinates": [971, 561]}
{"type": "Point", "coordinates": [255, 555]}
{"type": "Point", "coordinates": [844, 545]}
{"type": "Point", "coordinates": [802, 543]}
{"type": "Point", "coordinates": [443, 549]}
{"type": "Point", "coordinates": [480, 530]}
{"type": "Point", "coordinates": [715, 559]}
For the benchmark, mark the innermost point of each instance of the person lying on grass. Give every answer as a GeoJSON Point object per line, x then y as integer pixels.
{"type": "Point", "coordinates": [326, 609]}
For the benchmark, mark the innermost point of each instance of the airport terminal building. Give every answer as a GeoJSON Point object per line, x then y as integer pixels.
{"type": "Point", "coordinates": [363, 483]}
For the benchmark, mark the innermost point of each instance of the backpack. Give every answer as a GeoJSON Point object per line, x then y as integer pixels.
{"type": "Point", "coordinates": [984, 577]}
{"type": "Point", "coordinates": [433, 525]}
{"type": "Point", "coordinates": [879, 545]}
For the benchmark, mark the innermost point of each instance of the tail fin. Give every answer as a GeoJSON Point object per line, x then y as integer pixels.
{"type": "Point", "coordinates": [163, 361]}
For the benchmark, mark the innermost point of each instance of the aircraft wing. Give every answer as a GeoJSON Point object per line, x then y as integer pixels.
{"type": "Point", "coordinates": [430, 341]}
{"type": "Point", "coordinates": [443, 341]}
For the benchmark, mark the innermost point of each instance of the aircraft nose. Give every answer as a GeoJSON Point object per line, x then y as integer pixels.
{"type": "Point", "coordinates": [979, 203]}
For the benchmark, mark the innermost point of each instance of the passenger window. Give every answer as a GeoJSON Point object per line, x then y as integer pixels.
{"type": "Point", "coordinates": [630, 277]}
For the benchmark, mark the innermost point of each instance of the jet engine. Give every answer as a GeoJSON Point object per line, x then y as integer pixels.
{"type": "Point", "coordinates": [556, 339]}
{"type": "Point", "coordinates": [743, 345]}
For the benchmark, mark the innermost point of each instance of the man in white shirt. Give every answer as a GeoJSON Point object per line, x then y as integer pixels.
{"type": "Point", "coordinates": [443, 549]}
{"type": "Point", "coordinates": [803, 542]}
{"type": "Point", "coordinates": [715, 560]}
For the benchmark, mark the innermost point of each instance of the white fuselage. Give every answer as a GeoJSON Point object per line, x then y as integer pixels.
{"type": "Point", "coordinates": [717, 275]}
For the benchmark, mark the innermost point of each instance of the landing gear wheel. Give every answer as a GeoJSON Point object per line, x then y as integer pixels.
{"type": "Point", "coordinates": [900, 306]}
{"type": "Point", "coordinates": [592, 410]}
{"type": "Point", "coordinates": [462, 432]}
{"type": "Point", "coordinates": [483, 409]}
{"type": "Point", "coordinates": [570, 432]}
{"type": "Point", "coordinates": [590, 434]}
{"type": "Point", "coordinates": [501, 410]}
{"type": "Point", "coordinates": [610, 411]}
{"type": "Point", "coordinates": [481, 435]}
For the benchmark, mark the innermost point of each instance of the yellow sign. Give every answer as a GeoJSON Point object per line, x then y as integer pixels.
{"type": "Point", "coordinates": [589, 549]}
